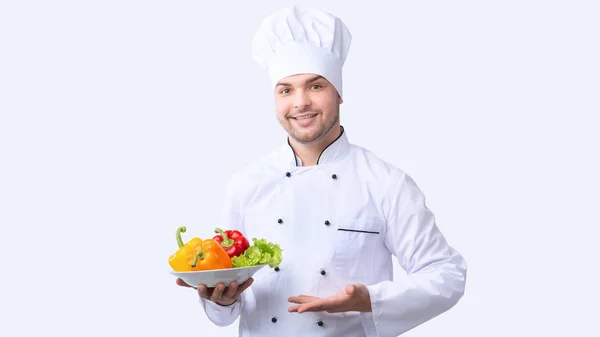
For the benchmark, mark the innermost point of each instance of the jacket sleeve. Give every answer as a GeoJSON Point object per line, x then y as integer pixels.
{"type": "Point", "coordinates": [218, 314]}
{"type": "Point", "coordinates": [436, 273]}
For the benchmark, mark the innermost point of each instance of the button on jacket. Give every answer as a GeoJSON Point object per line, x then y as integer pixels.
{"type": "Point", "coordinates": [338, 222]}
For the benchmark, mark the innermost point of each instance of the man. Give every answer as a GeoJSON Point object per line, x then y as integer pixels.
{"type": "Point", "coordinates": [338, 211]}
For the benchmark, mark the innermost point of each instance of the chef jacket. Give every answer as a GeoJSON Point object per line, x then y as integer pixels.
{"type": "Point", "coordinates": [338, 222]}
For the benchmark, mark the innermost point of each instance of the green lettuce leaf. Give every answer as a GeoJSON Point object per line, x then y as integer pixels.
{"type": "Point", "coordinates": [261, 252]}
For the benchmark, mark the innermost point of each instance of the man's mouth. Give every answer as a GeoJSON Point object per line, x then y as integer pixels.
{"type": "Point", "coordinates": [299, 118]}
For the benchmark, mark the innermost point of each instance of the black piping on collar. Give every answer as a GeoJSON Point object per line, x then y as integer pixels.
{"type": "Point", "coordinates": [293, 151]}
{"type": "Point", "coordinates": [319, 158]}
{"type": "Point", "coordinates": [335, 140]}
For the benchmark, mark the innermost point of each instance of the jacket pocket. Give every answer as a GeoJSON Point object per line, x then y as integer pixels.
{"type": "Point", "coordinates": [355, 243]}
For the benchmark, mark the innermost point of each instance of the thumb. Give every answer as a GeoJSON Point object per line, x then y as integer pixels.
{"type": "Point", "coordinates": [181, 283]}
{"type": "Point", "coordinates": [350, 289]}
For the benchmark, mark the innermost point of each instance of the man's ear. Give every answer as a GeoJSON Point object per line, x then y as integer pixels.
{"type": "Point", "coordinates": [340, 99]}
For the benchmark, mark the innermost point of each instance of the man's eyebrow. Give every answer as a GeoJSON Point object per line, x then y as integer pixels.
{"type": "Point", "coordinates": [312, 79]}
{"type": "Point", "coordinates": [318, 77]}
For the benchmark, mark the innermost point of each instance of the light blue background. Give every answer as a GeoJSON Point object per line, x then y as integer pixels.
{"type": "Point", "coordinates": [121, 120]}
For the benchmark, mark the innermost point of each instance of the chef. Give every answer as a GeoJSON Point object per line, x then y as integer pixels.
{"type": "Point", "coordinates": [339, 212]}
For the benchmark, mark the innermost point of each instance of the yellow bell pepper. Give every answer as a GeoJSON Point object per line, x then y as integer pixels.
{"type": "Point", "coordinates": [199, 254]}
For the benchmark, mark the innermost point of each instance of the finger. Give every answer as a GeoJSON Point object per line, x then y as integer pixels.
{"type": "Point", "coordinates": [217, 293]}
{"type": "Point", "coordinates": [204, 292]}
{"type": "Point", "coordinates": [230, 291]}
{"type": "Point", "coordinates": [329, 304]}
{"type": "Point", "coordinates": [306, 296]}
{"type": "Point", "coordinates": [293, 308]}
{"type": "Point", "coordinates": [302, 299]}
{"type": "Point", "coordinates": [312, 307]}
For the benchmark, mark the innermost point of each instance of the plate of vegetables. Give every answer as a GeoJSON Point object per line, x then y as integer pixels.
{"type": "Point", "coordinates": [226, 257]}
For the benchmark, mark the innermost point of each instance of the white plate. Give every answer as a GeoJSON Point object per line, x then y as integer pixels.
{"type": "Point", "coordinates": [211, 278]}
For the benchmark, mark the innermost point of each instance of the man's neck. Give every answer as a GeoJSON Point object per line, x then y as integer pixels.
{"type": "Point", "coordinates": [309, 153]}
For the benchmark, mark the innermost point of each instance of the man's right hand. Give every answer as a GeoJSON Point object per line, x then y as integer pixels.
{"type": "Point", "coordinates": [220, 294]}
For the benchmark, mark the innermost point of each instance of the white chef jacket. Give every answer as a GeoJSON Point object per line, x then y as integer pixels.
{"type": "Point", "coordinates": [338, 222]}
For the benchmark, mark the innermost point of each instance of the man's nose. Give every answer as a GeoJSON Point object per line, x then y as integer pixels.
{"type": "Point", "coordinates": [301, 100]}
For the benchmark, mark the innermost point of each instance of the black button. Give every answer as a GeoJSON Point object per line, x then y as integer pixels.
{"type": "Point", "coordinates": [279, 220]}
{"type": "Point", "coordinates": [334, 176]}
{"type": "Point", "coordinates": [320, 323]}
{"type": "Point", "coordinates": [287, 174]}
{"type": "Point", "coordinates": [323, 272]}
{"type": "Point", "coordinates": [276, 268]}
{"type": "Point", "coordinates": [327, 222]}
{"type": "Point", "coordinates": [274, 320]}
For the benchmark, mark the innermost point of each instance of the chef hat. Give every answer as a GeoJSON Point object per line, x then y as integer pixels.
{"type": "Point", "coordinates": [301, 40]}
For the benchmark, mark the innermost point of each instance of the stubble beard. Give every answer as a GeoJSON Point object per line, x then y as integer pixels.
{"type": "Point", "coordinates": [322, 130]}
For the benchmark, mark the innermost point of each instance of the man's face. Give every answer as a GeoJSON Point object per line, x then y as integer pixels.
{"type": "Point", "coordinates": [307, 107]}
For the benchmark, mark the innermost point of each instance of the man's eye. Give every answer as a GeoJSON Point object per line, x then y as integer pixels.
{"type": "Point", "coordinates": [316, 86]}
{"type": "Point", "coordinates": [285, 91]}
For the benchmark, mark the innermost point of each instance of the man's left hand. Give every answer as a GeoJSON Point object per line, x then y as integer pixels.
{"type": "Point", "coordinates": [354, 298]}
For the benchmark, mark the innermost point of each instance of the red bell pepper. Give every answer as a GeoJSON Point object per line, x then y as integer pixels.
{"type": "Point", "coordinates": [233, 241]}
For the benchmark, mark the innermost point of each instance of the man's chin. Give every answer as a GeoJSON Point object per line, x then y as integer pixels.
{"type": "Point", "coordinates": [306, 138]}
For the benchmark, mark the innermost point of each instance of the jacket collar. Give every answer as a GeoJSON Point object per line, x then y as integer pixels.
{"type": "Point", "coordinates": [336, 150]}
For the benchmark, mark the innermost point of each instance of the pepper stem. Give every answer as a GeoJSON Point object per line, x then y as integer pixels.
{"type": "Point", "coordinates": [199, 256]}
{"type": "Point", "coordinates": [180, 230]}
{"type": "Point", "coordinates": [227, 242]}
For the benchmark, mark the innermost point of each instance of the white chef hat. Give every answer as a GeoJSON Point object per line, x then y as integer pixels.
{"type": "Point", "coordinates": [301, 40]}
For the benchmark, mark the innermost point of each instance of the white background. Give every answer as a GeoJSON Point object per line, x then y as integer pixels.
{"type": "Point", "coordinates": [121, 120]}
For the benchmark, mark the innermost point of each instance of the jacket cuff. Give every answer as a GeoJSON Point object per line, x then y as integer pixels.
{"type": "Point", "coordinates": [222, 315]}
